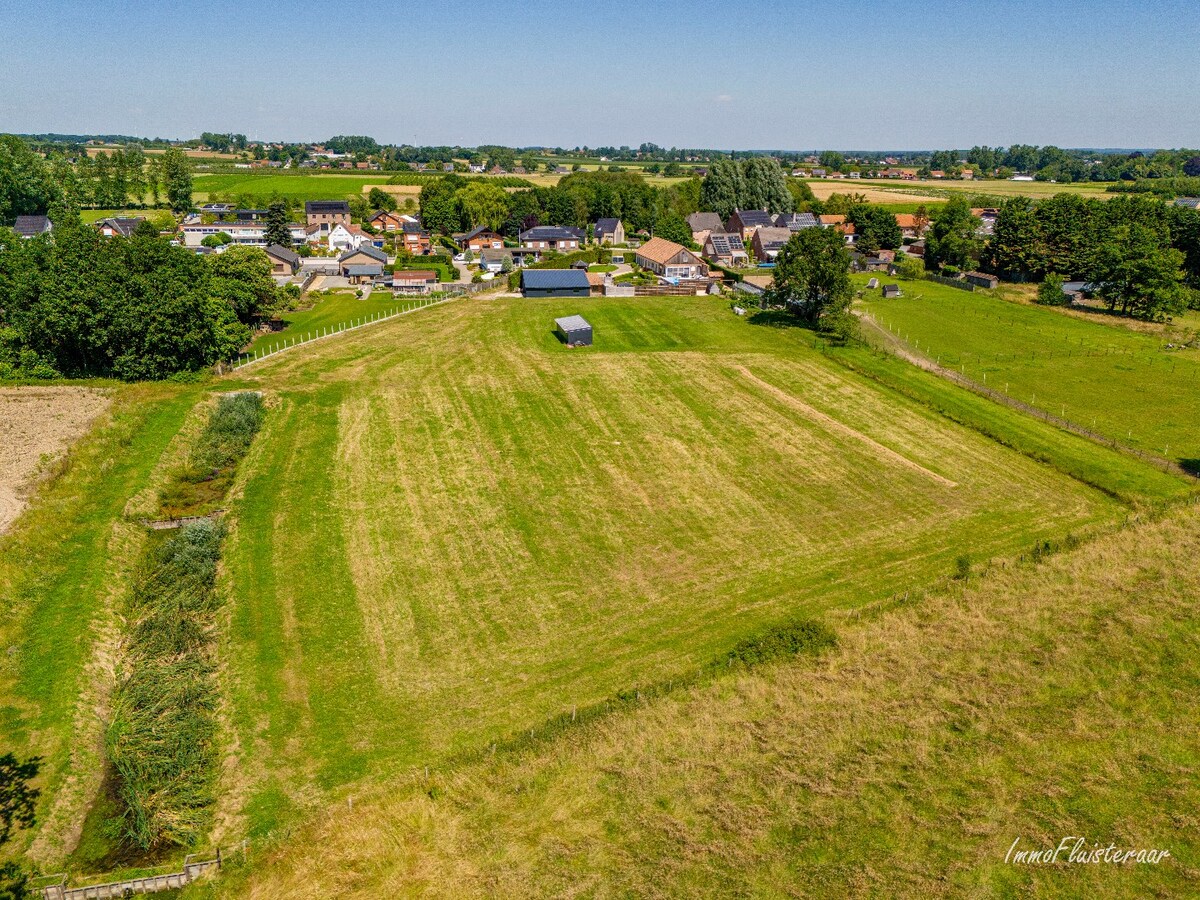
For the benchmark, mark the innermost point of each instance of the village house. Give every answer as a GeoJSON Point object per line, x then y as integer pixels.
{"type": "Point", "coordinates": [479, 239]}
{"type": "Point", "coordinates": [414, 281]}
{"type": "Point", "coordinates": [120, 225]}
{"type": "Point", "coordinates": [746, 221]}
{"type": "Point", "coordinates": [703, 224]}
{"type": "Point", "coordinates": [796, 221]}
{"type": "Point", "coordinates": [347, 237]}
{"type": "Point", "coordinates": [385, 220]}
{"type": "Point", "coordinates": [284, 261]}
{"type": "Point", "coordinates": [670, 260]}
{"type": "Point", "coordinates": [768, 242]}
{"type": "Point", "coordinates": [415, 239]}
{"type": "Point", "coordinates": [910, 225]}
{"type": "Point", "coordinates": [609, 231]}
{"type": "Point", "coordinates": [491, 260]}
{"type": "Point", "coordinates": [325, 214]}
{"type": "Point", "coordinates": [552, 237]}
{"type": "Point", "coordinates": [726, 249]}
{"type": "Point", "coordinates": [362, 265]}
{"type": "Point", "coordinates": [32, 226]}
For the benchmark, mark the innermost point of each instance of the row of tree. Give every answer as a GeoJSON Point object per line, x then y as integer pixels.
{"type": "Point", "coordinates": [78, 304]}
{"type": "Point", "coordinates": [452, 204]}
{"type": "Point", "coordinates": [31, 184]}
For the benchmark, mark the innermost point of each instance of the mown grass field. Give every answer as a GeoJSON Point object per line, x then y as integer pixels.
{"type": "Point", "coordinates": [1119, 381]}
{"type": "Point", "coordinates": [453, 528]}
{"type": "Point", "coordinates": [301, 187]}
{"type": "Point", "coordinates": [941, 188]}
{"type": "Point", "coordinates": [1030, 705]}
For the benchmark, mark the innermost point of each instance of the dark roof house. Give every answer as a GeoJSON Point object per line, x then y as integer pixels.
{"type": "Point", "coordinates": [32, 226]}
{"type": "Point", "coordinates": [326, 206]}
{"type": "Point", "coordinates": [745, 221]}
{"type": "Point", "coordinates": [609, 231]}
{"type": "Point", "coordinates": [796, 221]}
{"type": "Point", "coordinates": [704, 221]}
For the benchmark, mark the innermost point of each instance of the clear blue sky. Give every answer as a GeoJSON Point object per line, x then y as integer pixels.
{"type": "Point", "coordinates": [754, 74]}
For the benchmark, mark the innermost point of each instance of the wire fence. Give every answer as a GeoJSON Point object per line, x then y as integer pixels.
{"type": "Point", "coordinates": [288, 342]}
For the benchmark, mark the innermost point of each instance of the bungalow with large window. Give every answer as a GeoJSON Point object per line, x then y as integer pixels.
{"type": "Point", "coordinates": [670, 260]}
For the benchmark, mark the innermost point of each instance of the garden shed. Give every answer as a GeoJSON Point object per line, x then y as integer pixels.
{"type": "Point", "coordinates": [554, 283]}
{"type": "Point", "coordinates": [574, 330]}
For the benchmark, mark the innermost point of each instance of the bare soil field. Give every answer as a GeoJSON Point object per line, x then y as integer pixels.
{"type": "Point", "coordinates": [36, 425]}
{"type": "Point", "coordinates": [822, 190]}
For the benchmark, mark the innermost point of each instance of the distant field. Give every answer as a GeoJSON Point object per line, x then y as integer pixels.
{"type": "Point", "coordinates": [941, 189]}
{"type": "Point", "coordinates": [1121, 382]}
{"type": "Point", "coordinates": [872, 193]}
{"type": "Point", "coordinates": [484, 528]}
{"type": "Point", "coordinates": [302, 187]}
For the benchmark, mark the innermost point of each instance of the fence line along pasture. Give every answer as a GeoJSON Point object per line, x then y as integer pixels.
{"type": "Point", "coordinates": [901, 346]}
{"type": "Point", "coordinates": [287, 343]}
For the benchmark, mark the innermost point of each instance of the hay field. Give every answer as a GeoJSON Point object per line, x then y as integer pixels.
{"type": "Point", "coordinates": [452, 528]}
{"type": "Point", "coordinates": [1029, 705]}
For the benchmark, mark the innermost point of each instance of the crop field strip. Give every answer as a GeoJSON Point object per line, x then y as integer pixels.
{"type": "Point", "coordinates": [452, 516]}
{"type": "Point", "coordinates": [1110, 379]}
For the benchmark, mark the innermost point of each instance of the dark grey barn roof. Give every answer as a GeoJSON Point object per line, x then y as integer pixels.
{"type": "Point", "coordinates": [554, 279]}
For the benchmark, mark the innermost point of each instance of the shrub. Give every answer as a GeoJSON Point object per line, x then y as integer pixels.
{"type": "Point", "coordinates": [911, 268]}
{"type": "Point", "coordinates": [806, 636]}
{"type": "Point", "coordinates": [1050, 292]}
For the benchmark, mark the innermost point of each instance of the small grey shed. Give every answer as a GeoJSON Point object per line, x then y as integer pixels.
{"type": "Point", "coordinates": [574, 331]}
{"type": "Point", "coordinates": [892, 290]}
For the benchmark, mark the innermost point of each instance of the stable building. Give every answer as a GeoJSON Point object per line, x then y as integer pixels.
{"type": "Point", "coordinates": [554, 283]}
{"type": "Point", "coordinates": [574, 331]}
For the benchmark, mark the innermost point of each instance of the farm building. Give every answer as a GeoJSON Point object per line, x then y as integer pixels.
{"type": "Point", "coordinates": [981, 279]}
{"type": "Point", "coordinates": [554, 283]}
{"type": "Point", "coordinates": [574, 330]}
{"type": "Point", "coordinates": [891, 291]}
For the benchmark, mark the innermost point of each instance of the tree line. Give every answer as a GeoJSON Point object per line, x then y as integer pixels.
{"type": "Point", "coordinates": [77, 304]}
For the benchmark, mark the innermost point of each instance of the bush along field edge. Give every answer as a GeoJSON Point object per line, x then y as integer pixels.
{"type": "Point", "coordinates": [161, 743]}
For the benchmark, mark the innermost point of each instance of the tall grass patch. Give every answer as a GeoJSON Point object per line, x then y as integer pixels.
{"type": "Point", "coordinates": [205, 477]}
{"type": "Point", "coordinates": [162, 739]}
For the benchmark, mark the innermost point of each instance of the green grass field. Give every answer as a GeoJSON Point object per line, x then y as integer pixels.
{"type": "Point", "coordinates": [462, 492]}
{"type": "Point", "coordinates": [452, 529]}
{"type": "Point", "coordinates": [1119, 381]}
{"type": "Point", "coordinates": [321, 186]}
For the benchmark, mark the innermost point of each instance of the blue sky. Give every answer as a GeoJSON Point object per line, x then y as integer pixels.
{"type": "Point", "coordinates": [755, 74]}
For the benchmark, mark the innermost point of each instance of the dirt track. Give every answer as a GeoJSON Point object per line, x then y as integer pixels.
{"type": "Point", "coordinates": [36, 425]}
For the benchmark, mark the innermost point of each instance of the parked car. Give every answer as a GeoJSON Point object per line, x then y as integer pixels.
{"type": "Point", "coordinates": [460, 257]}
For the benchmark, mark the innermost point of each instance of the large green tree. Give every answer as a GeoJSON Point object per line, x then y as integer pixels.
{"type": "Point", "coordinates": [812, 276]}
{"type": "Point", "coordinates": [1135, 271]}
{"type": "Point", "coordinates": [18, 797]}
{"type": "Point", "coordinates": [277, 230]}
{"type": "Point", "coordinates": [176, 171]}
{"type": "Point", "coordinates": [25, 184]}
{"type": "Point", "coordinates": [483, 203]}
{"type": "Point", "coordinates": [952, 240]}
{"type": "Point", "coordinates": [722, 189]}
{"type": "Point", "coordinates": [875, 228]}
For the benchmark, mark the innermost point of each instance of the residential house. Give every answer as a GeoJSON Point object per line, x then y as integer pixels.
{"type": "Point", "coordinates": [325, 214]}
{"type": "Point", "coordinates": [284, 261]}
{"type": "Point", "coordinates": [415, 239]}
{"type": "Point", "coordinates": [670, 260]}
{"type": "Point", "coordinates": [362, 264]}
{"type": "Point", "coordinates": [552, 237]}
{"type": "Point", "coordinates": [32, 226]}
{"type": "Point", "coordinates": [768, 242]}
{"type": "Point", "coordinates": [250, 215]}
{"type": "Point", "coordinates": [414, 281]}
{"type": "Point", "coordinates": [386, 220]}
{"type": "Point", "coordinates": [492, 260]}
{"type": "Point", "coordinates": [910, 225]}
{"type": "Point", "coordinates": [609, 231]}
{"type": "Point", "coordinates": [479, 239]}
{"type": "Point", "coordinates": [216, 209]}
{"type": "Point", "coordinates": [726, 249]}
{"type": "Point", "coordinates": [1188, 202]}
{"type": "Point", "coordinates": [797, 221]}
{"type": "Point", "coordinates": [746, 221]}
{"type": "Point", "coordinates": [119, 225]}
{"type": "Point", "coordinates": [349, 237]}
{"type": "Point", "coordinates": [703, 224]}
{"type": "Point", "coordinates": [987, 220]}
{"type": "Point", "coordinates": [831, 221]}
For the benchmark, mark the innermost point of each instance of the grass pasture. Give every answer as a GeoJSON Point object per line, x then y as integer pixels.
{"type": "Point", "coordinates": [453, 528]}
{"type": "Point", "coordinates": [1118, 381]}
{"type": "Point", "coordinates": [941, 189]}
